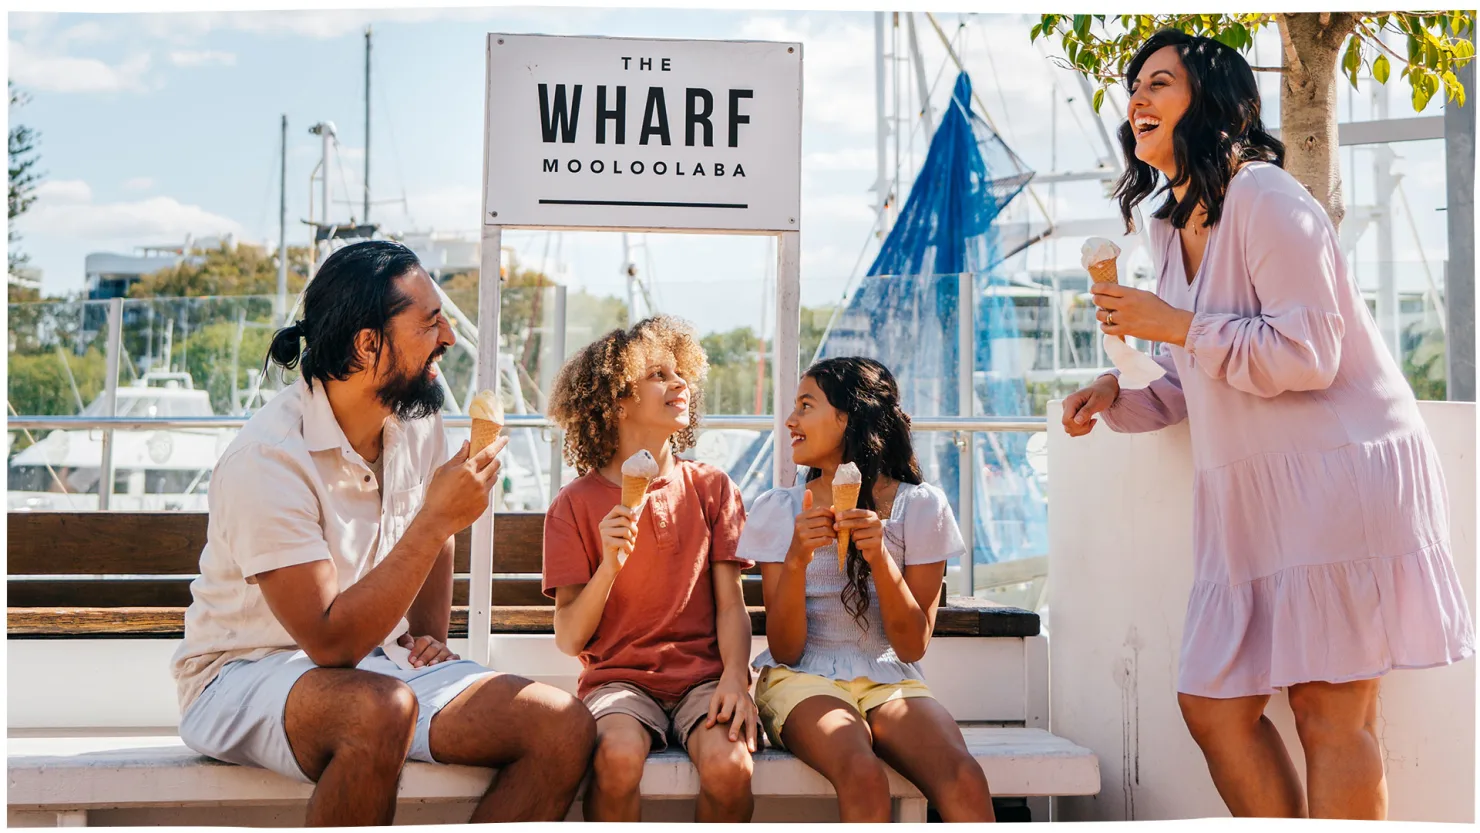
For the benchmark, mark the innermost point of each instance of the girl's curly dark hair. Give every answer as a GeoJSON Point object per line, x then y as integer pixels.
{"type": "Point", "coordinates": [876, 439]}
{"type": "Point", "coordinates": [1221, 130]}
{"type": "Point", "coordinates": [583, 400]}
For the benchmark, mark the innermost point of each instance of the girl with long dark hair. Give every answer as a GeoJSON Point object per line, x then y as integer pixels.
{"type": "Point", "coordinates": [841, 687]}
{"type": "Point", "coordinates": [1321, 529]}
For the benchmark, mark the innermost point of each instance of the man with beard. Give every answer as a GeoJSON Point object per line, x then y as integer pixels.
{"type": "Point", "coordinates": [316, 642]}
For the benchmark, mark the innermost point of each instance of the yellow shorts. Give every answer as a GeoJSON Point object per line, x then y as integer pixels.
{"type": "Point", "coordinates": [779, 690]}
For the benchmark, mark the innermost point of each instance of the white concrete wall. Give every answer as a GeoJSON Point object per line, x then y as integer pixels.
{"type": "Point", "coordinates": [125, 683]}
{"type": "Point", "coordinates": [1120, 569]}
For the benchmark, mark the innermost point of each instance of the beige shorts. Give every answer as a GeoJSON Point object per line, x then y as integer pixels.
{"type": "Point", "coordinates": [667, 721]}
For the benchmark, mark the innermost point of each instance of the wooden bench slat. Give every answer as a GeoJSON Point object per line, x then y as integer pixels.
{"type": "Point", "coordinates": [964, 618]}
{"type": "Point", "coordinates": [80, 593]}
{"type": "Point", "coordinates": [169, 543]}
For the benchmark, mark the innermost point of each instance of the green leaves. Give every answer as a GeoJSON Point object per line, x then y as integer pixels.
{"type": "Point", "coordinates": [1437, 44]}
{"type": "Point", "coordinates": [1351, 61]}
{"type": "Point", "coordinates": [1099, 99]}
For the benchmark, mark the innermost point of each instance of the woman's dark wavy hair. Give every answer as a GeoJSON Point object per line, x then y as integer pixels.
{"type": "Point", "coordinates": [354, 290]}
{"type": "Point", "coordinates": [1220, 131]}
{"type": "Point", "coordinates": [876, 439]}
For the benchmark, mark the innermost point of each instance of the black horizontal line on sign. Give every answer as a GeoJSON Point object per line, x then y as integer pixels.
{"type": "Point", "coordinates": [647, 204]}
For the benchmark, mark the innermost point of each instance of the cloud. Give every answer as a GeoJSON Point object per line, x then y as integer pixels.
{"type": "Point", "coordinates": [36, 69]}
{"type": "Point", "coordinates": [62, 192]}
{"type": "Point", "coordinates": [138, 183]}
{"type": "Point", "coordinates": [319, 24]}
{"type": "Point", "coordinates": [65, 209]}
{"type": "Point", "coordinates": [202, 59]}
{"type": "Point", "coordinates": [846, 159]}
{"type": "Point", "coordinates": [837, 55]}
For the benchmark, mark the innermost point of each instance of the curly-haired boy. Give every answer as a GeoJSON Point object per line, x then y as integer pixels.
{"type": "Point", "coordinates": [650, 598]}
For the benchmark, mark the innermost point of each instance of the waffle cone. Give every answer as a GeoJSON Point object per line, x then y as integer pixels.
{"type": "Point", "coordinates": [484, 432]}
{"type": "Point", "coordinates": [845, 497]}
{"type": "Point", "coordinates": [633, 488]}
{"type": "Point", "coordinates": [1104, 271]}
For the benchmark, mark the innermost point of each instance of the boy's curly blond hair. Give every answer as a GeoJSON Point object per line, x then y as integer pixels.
{"type": "Point", "coordinates": [583, 400]}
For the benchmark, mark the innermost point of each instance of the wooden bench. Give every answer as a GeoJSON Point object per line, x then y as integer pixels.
{"type": "Point", "coordinates": [112, 574]}
{"type": "Point", "coordinates": [78, 578]}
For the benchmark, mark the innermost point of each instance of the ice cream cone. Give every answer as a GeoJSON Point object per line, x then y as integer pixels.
{"type": "Point", "coordinates": [484, 432]}
{"type": "Point", "coordinates": [845, 497]}
{"type": "Point", "coordinates": [1104, 272]}
{"type": "Point", "coordinates": [633, 488]}
{"type": "Point", "coordinates": [488, 420]}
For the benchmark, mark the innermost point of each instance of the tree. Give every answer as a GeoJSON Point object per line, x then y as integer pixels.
{"type": "Point", "coordinates": [524, 306]}
{"type": "Point", "coordinates": [211, 352]}
{"type": "Point", "coordinates": [23, 181]}
{"type": "Point", "coordinates": [240, 270]}
{"type": "Point", "coordinates": [732, 369]}
{"type": "Point", "coordinates": [1315, 43]}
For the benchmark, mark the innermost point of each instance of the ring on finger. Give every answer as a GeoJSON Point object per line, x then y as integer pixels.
{"type": "Point", "coordinates": [1110, 318]}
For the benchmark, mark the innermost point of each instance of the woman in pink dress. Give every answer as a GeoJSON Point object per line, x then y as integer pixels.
{"type": "Point", "coordinates": [1321, 527]}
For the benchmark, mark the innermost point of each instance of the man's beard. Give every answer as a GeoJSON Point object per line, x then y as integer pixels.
{"type": "Point", "coordinates": [411, 395]}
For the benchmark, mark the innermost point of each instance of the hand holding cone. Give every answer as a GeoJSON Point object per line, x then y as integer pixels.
{"type": "Point", "coordinates": [847, 481]}
{"type": "Point", "coordinates": [637, 472]}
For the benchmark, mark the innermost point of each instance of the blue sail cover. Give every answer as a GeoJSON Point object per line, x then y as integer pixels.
{"type": "Point", "coordinates": [904, 314]}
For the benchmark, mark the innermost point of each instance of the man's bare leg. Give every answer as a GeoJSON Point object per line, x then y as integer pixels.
{"type": "Point", "coordinates": [350, 731]}
{"type": "Point", "coordinates": [539, 737]}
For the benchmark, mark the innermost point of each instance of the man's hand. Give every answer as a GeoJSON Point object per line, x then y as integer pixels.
{"type": "Point", "coordinates": [458, 493]}
{"type": "Point", "coordinates": [813, 530]}
{"type": "Point", "coordinates": [618, 537]}
{"type": "Point", "coordinates": [731, 704]}
{"type": "Point", "coordinates": [425, 650]}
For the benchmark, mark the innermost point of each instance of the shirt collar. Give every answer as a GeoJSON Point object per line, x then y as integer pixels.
{"type": "Point", "coordinates": [321, 430]}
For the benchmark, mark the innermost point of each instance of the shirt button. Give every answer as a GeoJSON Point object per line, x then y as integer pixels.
{"type": "Point", "coordinates": [662, 523]}
{"type": "Point", "coordinates": [367, 478]}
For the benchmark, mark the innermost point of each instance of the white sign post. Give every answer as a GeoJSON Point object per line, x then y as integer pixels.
{"type": "Point", "coordinates": [619, 134]}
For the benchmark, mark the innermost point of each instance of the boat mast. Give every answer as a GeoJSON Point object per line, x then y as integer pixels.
{"type": "Point", "coordinates": [367, 124]}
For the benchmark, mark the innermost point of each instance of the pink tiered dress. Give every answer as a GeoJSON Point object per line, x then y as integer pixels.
{"type": "Point", "coordinates": [1321, 520]}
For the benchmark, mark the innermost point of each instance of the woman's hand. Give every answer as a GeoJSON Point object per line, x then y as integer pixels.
{"type": "Point", "coordinates": [867, 531]}
{"type": "Point", "coordinates": [813, 530]}
{"type": "Point", "coordinates": [1081, 406]}
{"type": "Point", "coordinates": [1139, 314]}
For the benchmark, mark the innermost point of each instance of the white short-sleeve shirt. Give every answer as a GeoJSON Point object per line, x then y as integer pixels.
{"type": "Point", "coordinates": [920, 529]}
{"type": "Point", "coordinates": [291, 490]}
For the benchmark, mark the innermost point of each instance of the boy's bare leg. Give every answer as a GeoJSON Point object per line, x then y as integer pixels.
{"type": "Point", "coordinates": [724, 768]}
{"type": "Point", "coordinates": [622, 746]}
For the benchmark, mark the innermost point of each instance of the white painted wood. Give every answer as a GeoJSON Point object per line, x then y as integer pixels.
{"type": "Point", "coordinates": [72, 818]}
{"type": "Point", "coordinates": [787, 358]}
{"type": "Point", "coordinates": [160, 771]}
{"type": "Point", "coordinates": [480, 585]}
{"type": "Point", "coordinates": [909, 810]}
{"type": "Point", "coordinates": [124, 684]}
{"type": "Point", "coordinates": [1117, 599]}
{"type": "Point", "coordinates": [1035, 682]}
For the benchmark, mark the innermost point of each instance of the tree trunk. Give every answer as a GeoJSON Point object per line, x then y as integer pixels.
{"type": "Point", "coordinates": [1312, 45]}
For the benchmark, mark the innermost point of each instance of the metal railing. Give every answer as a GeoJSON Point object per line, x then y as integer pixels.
{"type": "Point", "coordinates": [733, 422]}
{"type": "Point", "coordinates": [965, 429]}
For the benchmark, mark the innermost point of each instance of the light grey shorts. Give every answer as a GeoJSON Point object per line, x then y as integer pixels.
{"type": "Point", "coordinates": [239, 717]}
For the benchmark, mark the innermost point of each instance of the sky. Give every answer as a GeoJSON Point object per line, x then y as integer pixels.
{"type": "Point", "coordinates": [155, 126]}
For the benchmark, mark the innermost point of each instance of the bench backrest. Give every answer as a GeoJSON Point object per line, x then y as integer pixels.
{"type": "Point", "coordinates": [147, 559]}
